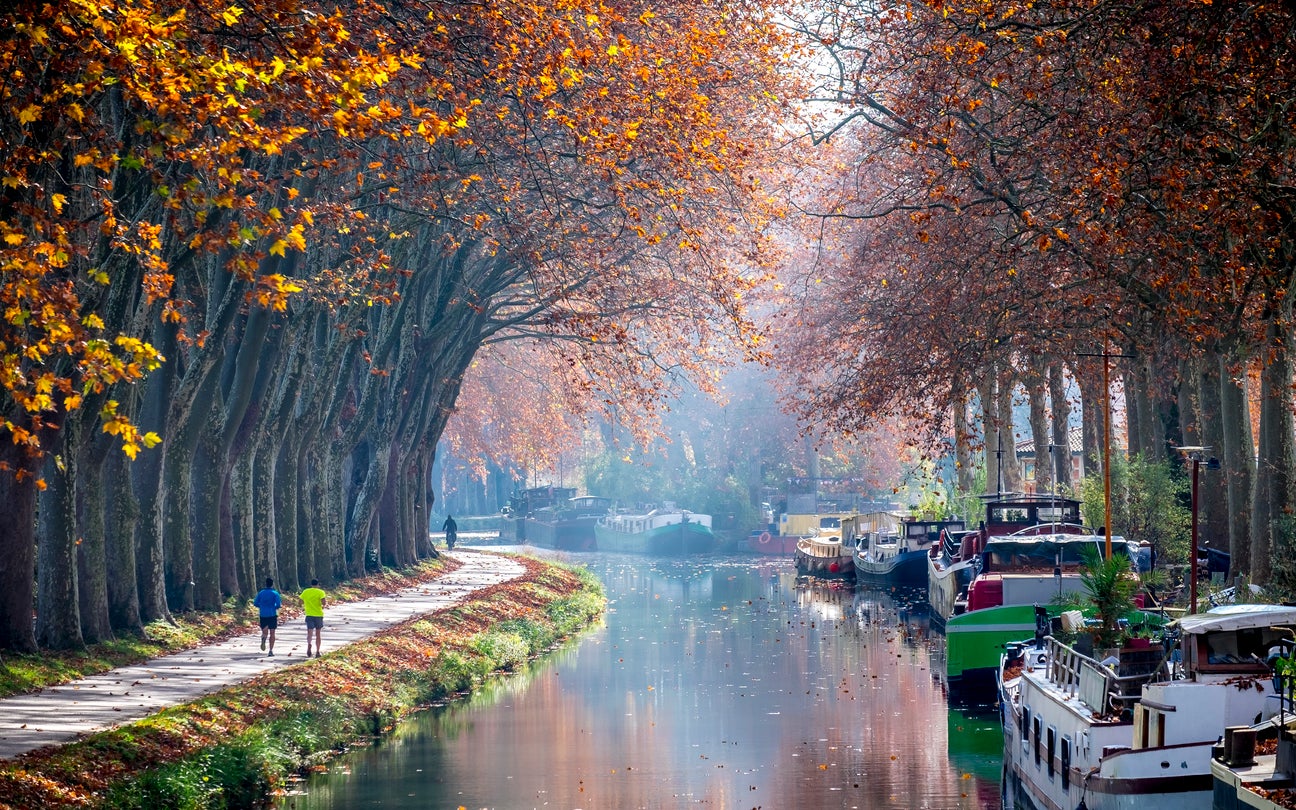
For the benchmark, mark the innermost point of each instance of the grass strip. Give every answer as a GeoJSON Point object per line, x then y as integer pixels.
{"type": "Point", "coordinates": [236, 747]}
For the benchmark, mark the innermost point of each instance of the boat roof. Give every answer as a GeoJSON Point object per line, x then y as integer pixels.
{"type": "Point", "coordinates": [930, 519]}
{"type": "Point", "coordinates": [876, 521]}
{"type": "Point", "coordinates": [1031, 498]}
{"type": "Point", "coordinates": [1060, 539]}
{"type": "Point", "coordinates": [1237, 617]}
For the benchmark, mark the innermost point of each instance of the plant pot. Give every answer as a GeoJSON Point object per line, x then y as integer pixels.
{"type": "Point", "coordinates": [1138, 643]}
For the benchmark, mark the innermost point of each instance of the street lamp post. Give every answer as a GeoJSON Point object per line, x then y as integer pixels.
{"type": "Point", "coordinates": [1195, 456]}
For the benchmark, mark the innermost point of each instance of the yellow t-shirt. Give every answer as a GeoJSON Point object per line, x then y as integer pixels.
{"type": "Point", "coordinates": [313, 601]}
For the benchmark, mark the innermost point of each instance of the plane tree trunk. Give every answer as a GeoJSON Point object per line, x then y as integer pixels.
{"type": "Point", "coordinates": [1213, 507]}
{"type": "Point", "coordinates": [1045, 458]}
{"type": "Point", "coordinates": [965, 464]}
{"type": "Point", "coordinates": [58, 615]}
{"type": "Point", "coordinates": [1238, 458]}
{"type": "Point", "coordinates": [1276, 459]}
{"type": "Point", "coordinates": [1060, 412]}
{"type": "Point", "coordinates": [1012, 476]}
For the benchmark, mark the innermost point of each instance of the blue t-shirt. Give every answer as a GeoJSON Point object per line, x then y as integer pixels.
{"type": "Point", "coordinates": [268, 601]}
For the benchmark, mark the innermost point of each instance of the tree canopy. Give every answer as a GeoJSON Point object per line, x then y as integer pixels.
{"type": "Point", "coordinates": [268, 241]}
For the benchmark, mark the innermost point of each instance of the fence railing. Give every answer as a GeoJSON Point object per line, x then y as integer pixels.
{"type": "Point", "coordinates": [1096, 685]}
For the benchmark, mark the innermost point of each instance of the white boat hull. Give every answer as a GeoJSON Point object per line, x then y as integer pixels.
{"type": "Point", "coordinates": [1058, 753]}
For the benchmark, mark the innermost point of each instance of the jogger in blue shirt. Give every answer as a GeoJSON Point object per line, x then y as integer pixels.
{"type": "Point", "coordinates": [268, 601]}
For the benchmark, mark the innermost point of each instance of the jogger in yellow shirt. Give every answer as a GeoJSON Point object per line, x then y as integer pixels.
{"type": "Point", "coordinates": [313, 601]}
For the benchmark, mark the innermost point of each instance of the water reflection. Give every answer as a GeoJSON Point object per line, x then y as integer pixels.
{"type": "Point", "coordinates": [722, 681]}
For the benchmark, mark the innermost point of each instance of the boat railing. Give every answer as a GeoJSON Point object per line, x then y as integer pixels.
{"type": "Point", "coordinates": [1095, 683]}
{"type": "Point", "coordinates": [821, 547]}
{"type": "Point", "coordinates": [951, 545]}
{"type": "Point", "coordinates": [1056, 527]}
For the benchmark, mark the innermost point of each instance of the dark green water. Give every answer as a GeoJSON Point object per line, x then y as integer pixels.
{"type": "Point", "coordinates": [719, 682]}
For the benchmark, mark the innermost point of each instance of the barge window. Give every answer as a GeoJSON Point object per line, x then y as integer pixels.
{"type": "Point", "coordinates": [1065, 764]}
{"type": "Point", "coordinates": [1025, 729]}
{"type": "Point", "coordinates": [1051, 750]}
{"type": "Point", "coordinates": [1037, 726]}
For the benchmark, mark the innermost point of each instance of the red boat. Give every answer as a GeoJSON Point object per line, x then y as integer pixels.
{"type": "Point", "coordinates": [763, 541]}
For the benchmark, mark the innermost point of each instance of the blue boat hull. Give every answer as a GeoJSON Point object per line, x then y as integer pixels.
{"type": "Point", "coordinates": [907, 569]}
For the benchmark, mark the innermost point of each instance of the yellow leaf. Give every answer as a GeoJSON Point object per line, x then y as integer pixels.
{"type": "Point", "coordinates": [13, 239]}
{"type": "Point", "coordinates": [58, 200]}
{"type": "Point", "coordinates": [29, 114]}
{"type": "Point", "coordinates": [277, 249]}
{"type": "Point", "coordinates": [230, 16]}
{"type": "Point", "coordinates": [277, 67]}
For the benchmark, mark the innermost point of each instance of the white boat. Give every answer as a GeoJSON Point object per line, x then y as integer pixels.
{"type": "Point", "coordinates": [1136, 731]}
{"type": "Point", "coordinates": [824, 554]}
{"type": "Point", "coordinates": [667, 530]}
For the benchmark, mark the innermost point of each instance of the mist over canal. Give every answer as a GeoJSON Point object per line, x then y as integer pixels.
{"type": "Point", "coordinates": [716, 681]}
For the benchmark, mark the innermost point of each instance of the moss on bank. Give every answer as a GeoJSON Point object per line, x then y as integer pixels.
{"type": "Point", "coordinates": [233, 748]}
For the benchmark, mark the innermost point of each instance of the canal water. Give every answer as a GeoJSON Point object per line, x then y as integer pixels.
{"type": "Point", "coordinates": [722, 682]}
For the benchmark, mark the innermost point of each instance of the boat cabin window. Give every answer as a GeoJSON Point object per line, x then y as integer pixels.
{"type": "Point", "coordinates": [1234, 648]}
{"type": "Point", "coordinates": [1010, 555]}
{"type": "Point", "coordinates": [830, 523]}
{"type": "Point", "coordinates": [1065, 764]}
{"type": "Point", "coordinates": [1009, 514]}
{"type": "Point", "coordinates": [1050, 750]}
{"type": "Point", "coordinates": [1036, 728]}
{"type": "Point", "coordinates": [1030, 514]}
{"type": "Point", "coordinates": [1056, 514]}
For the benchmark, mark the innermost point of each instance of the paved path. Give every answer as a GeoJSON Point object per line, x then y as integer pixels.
{"type": "Point", "coordinates": [63, 713]}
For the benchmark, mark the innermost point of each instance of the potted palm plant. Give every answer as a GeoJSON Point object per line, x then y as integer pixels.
{"type": "Point", "coordinates": [1111, 587]}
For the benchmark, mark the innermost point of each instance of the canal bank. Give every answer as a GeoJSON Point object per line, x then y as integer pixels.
{"type": "Point", "coordinates": [718, 680]}
{"type": "Point", "coordinates": [234, 746]}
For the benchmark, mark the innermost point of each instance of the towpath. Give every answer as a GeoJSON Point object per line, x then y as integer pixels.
{"type": "Point", "coordinates": [63, 713]}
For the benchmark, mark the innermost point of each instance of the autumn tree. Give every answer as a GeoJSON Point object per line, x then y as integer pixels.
{"type": "Point", "coordinates": [275, 238]}
{"type": "Point", "coordinates": [1110, 169]}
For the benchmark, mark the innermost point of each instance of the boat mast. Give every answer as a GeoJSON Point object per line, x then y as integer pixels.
{"type": "Point", "coordinates": [999, 465]}
{"type": "Point", "coordinates": [1106, 392]}
{"type": "Point", "coordinates": [1106, 408]}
